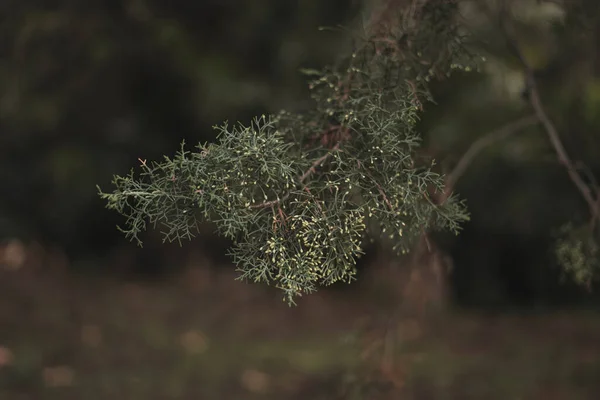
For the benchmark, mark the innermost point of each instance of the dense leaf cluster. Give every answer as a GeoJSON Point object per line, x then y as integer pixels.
{"type": "Point", "coordinates": [578, 253]}
{"type": "Point", "coordinates": [299, 192]}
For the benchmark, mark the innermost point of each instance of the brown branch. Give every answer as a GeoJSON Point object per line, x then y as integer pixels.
{"type": "Point", "coordinates": [549, 127]}
{"type": "Point", "coordinates": [382, 193]}
{"type": "Point", "coordinates": [379, 188]}
{"type": "Point", "coordinates": [317, 162]}
{"type": "Point", "coordinates": [415, 100]}
{"type": "Point", "coordinates": [589, 174]}
{"type": "Point", "coordinates": [479, 145]}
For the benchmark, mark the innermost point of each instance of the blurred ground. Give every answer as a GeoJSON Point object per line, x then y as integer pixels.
{"type": "Point", "coordinates": [202, 335]}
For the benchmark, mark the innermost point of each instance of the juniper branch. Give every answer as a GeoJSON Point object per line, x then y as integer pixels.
{"type": "Point", "coordinates": [314, 230]}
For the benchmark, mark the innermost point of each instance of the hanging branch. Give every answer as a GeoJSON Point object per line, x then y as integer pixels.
{"type": "Point", "coordinates": [549, 127]}
{"type": "Point", "coordinates": [315, 241]}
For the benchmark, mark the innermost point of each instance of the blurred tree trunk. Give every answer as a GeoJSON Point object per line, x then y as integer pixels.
{"type": "Point", "coordinates": [415, 285]}
{"type": "Point", "coordinates": [426, 289]}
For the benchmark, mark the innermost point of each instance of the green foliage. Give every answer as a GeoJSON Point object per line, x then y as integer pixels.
{"type": "Point", "coordinates": [299, 192]}
{"type": "Point", "coordinates": [578, 253]}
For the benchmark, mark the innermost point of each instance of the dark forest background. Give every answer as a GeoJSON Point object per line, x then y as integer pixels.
{"type": "Point", "coordinates": [87, 88]}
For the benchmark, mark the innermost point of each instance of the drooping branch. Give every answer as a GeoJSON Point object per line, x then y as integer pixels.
{"type": "Point", "coordinates": [549, 127]}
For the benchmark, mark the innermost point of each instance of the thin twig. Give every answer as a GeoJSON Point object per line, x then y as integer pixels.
{"type": "Point", "coordinates": [382, 193]}
{"type": "Point", "coordinates": [303, 178]}
{"type": "Point", "coordinates": [317, 162]}
{"type": "Point", "coordinates": [379, 188]}
{"type": "Point", "coordinates": [479, 145]}
{"type": "Point", "coordinates": [590, 175]}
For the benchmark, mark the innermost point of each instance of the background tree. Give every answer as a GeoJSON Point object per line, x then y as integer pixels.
{"type": "Point", "coordinates": [89, 90]}
{"type": "Point", "coordinates": [81, 102]}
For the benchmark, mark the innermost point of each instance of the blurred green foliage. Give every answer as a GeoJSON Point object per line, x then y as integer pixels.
{"type": "Point", "coordinates": [88, 87]}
